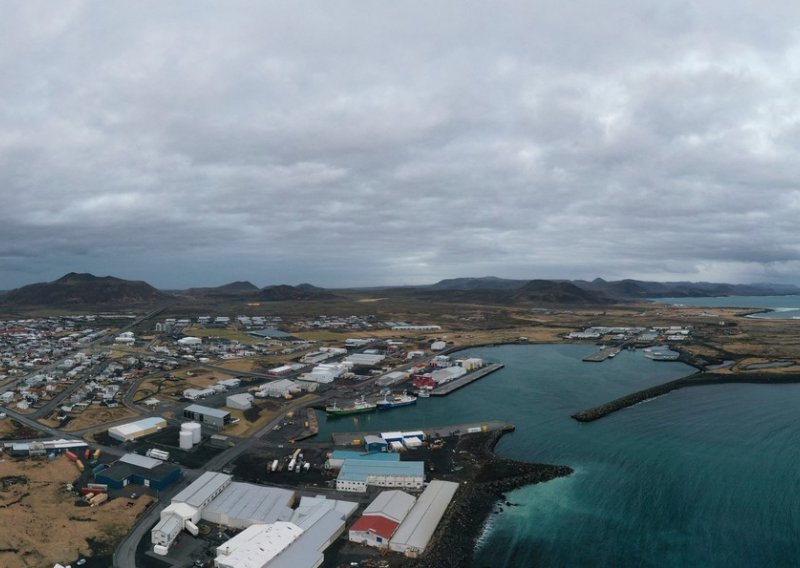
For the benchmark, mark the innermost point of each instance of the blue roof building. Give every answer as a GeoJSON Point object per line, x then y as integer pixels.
{"type": "Point", "coordinates": [357, 474]}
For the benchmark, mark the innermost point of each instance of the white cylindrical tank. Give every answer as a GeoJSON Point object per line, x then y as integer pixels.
{"type": "Point", "coordinates": [185, 440]}
{"type": "Point", "coordinates": [196, 430]}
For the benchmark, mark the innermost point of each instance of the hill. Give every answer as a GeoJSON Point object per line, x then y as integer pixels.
{"type": "Point", "coordinates": [76, 289]}
{"type": "Point", "coordinates": [558, 292]}
{"type": "Point", "coordinates": [484, 283]}
{"type": "Point", "coordinates": [239, 288]}
{"type": "Point", "coordinates": [300, 293]}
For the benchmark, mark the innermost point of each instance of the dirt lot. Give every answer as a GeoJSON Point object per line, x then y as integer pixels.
{"type": "Point", "coordinates": [10, 429]}
{"type": "Point", "coordinates": [42, 524]}
{"type": "Point", "coordinates": [96, 415]}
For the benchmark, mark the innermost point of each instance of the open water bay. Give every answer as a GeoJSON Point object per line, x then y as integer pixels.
{"type": "Point", "coordinates": [704, 476]}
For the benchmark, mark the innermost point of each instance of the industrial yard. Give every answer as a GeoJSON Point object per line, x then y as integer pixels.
{"type": "Point", "coordinates": [44, 523]}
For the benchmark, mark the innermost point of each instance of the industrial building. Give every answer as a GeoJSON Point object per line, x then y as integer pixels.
{"type": "Point", "coordinates": [375, 443]}
{"type": "Point", "coordinates": [415, 531]}
{"type": "Point", "coordinates": [338, 457]}
{"type": "Point", "coordinates": [209, 416]}
{"type": "Point", "coordinates": [278, 389]}
{"type": "Point", "coordinates": [381, 519]}
{"type": "Point", "coordinates": [137, 429]}
{"type": "Point", "coordinates": [196, 394]}
{"type": "Point", "coordinates": [257, 545]}
{"type": "Point", "coordinates": [241, 505]}
{"type": "Point", "coordinates": [139, 470]}
{"type": "Point", "coordinates": [357, 474]}
{"type": "Point", "coordinates": [243, 401]}
{"type": "Point", "coordinates": [364, 359]}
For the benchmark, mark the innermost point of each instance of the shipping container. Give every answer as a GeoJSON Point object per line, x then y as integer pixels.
{"type": "Point", "coordinates": [96, 454]}
{"type": "Point", "coordinates": [71, 456]}
{"type": "Point", "coordinates": [79, 463]}
{"type": "Point", "coordinates": [99, 498]}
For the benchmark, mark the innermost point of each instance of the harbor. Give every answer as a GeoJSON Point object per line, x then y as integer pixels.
{"type": "Point", "coordinates": [603, 354]}
{"type": "Point", "coordinates": [456, 384]}
{"type": "Point", "coordinates": [355, 438]}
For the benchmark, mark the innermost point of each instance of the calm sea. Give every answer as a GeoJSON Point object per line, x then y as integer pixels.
{"type": "Point", "coordinates": [783, 307]}
{"type": "Point", "coordinates": [706, 476]}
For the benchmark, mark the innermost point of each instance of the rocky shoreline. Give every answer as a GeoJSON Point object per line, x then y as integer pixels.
{"type": "Point", "coordinates": [488, 477]}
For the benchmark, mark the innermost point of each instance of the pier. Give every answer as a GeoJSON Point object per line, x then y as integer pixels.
{"type": "Point", "coordinates": [347, 438]}
{"type": "Point", "coordinates": [602, 355]}
{"type": "Point", "coordinates": [447, 388]}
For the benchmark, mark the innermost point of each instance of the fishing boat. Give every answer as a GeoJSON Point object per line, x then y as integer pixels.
{"type": "Point", "coordinates": [423, 393]}
{"type": "Point", "coordinates": [396, 401]}
{"type": "Point", "coordinates": [359, 406]}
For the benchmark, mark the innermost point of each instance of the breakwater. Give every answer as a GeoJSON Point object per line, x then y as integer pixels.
{"type": "Point", "coordinates": [453, 544]}
{"type": "Point", "coordinates": [697, 379]}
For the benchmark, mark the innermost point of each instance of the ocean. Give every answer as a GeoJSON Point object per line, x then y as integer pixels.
{"type": "Point", "coordinates": [704, 476]}
{"type": "Point", "coordinates": [782, 307]}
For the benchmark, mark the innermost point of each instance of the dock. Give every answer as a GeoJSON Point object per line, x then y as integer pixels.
{"type": "Point", "coordinates": [602, 355]}
{"type": "Point", "coordinates": [433, 432]}
{"type": "Point", "coordinates": [447, 388]}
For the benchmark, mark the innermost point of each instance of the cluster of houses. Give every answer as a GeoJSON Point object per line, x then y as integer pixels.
{"type": "Point", "coordinates": [29, 344]}
{"type": "Point", "coordinates": [637, 334]}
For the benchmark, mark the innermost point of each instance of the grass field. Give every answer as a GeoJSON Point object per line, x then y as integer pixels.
{"type": "Point", "coordinates": [41, 523]}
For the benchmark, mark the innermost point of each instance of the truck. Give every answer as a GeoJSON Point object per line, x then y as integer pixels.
{"type": "Point", "coordinates": [274, 466]}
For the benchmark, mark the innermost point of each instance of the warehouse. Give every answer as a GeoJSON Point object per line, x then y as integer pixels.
{"type": "Point", "coordinates": [336, 461]}
{"type": "Point", "coordinates": [242, 401]}
{"type": "Point", "coordinates": [381, 518]}
{"type": "Point", "coordinates": [195, 394]}
{"type": "Point", "coordinates": [209, 416]}
{"type": "Point", "coordinates": [137, 429]}
{"type": "Point", "coordinates": [278, 389]}
{"type": "Point", "coordinates": [241, 505]}
{"type": "Point", "coordinates": [139, 470]}
{"type": "Point", "coordinates": [357, 474]}
{"type": "Point", "coordinates": [203, 490]}
{"type": "Point", "coordinates": [257, 545]}
{"type": "Point", "coordinates": [364, 359]}
{"type": "Point", "coordinates": [374, 443]}
{"type": "Point", "coordinates": [416, 530]}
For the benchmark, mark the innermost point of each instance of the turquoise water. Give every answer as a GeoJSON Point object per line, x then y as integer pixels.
{"type": "Point", "coordinates": [784, 307]}
{"type": "Point", "coordinates": [706, 476]}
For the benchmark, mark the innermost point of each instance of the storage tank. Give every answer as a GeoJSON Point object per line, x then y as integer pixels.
{"type": "Point", "coordinates": [185, 440]}
{"type": "Point", "coordinates": [195, 429]}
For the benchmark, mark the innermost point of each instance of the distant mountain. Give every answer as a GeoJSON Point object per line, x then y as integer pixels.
{"type": "Point", "coordinates": [633, 289]}
{"type": "Point", "coordinates": [241, 288]}
{"type": "Point", "coordinates": [485, 283]}
{"type": "Point", "coordinates": [284, 293]}
{"type": "Point", "coordinates": [557, 292]}
{"type": "Point", "coordinates": [75, 289]}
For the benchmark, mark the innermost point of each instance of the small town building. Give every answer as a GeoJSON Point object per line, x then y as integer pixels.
{"type": "Point", "coordinates": [137, 429]}
{"type": "Point", "coordinates": [243, 401]}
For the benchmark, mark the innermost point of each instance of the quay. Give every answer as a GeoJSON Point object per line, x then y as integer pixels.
{"type": "Point", "coordinates": [433, 432]}
{"type": "Point", "coordinates": [447, 388]}
{"type": "Point", "coordinates": [602, 355]}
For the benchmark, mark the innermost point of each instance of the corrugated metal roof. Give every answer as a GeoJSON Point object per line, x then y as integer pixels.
{"type": "Point", "coordinates": [255, 546]}
{"type": "Point", "coordinates": [140, 461]}
{"type": "Point", "coordinates": [419, 525]}
{"type": "Point", "coordinates": [201, 489]}
{"type": "Point", "coordinates": [252, 504]}
{"type": "Point", "coordinates": [376, 524]}
{"type": "Point", "coordinates": [207, 410]}
{"type": "Point", "coordinates": [307, 550]}
{"type": "Point", "coordinates": [358, 469]}
{"type": "Point", "coordinates": [393, 505]}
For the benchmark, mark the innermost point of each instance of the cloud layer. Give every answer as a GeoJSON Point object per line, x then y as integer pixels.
{"type": "Point", "coordinates": [353, 143]}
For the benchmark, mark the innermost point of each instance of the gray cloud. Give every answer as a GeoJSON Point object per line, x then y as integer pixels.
{"type": "Point", "coordinates": [347, 143]}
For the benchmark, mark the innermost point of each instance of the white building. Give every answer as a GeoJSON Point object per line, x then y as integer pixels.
{"type": "Point", "coordinates": [243, 401]}
{"type": "Point", "coordinates": [257, 545]}
{"type": "Point", "coordinates": [278, 389]}
{"type": "Point", "coordinates": [195, 394]}
{"type": "Point", "coordinates": [415, 531]}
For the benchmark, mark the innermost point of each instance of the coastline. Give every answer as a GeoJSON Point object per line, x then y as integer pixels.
{"type": "Point", "coordinates": [488, 478]}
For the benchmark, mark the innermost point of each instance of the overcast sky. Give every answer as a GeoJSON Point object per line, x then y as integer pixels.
{"type": "Point", "coordinates": [367, 143]}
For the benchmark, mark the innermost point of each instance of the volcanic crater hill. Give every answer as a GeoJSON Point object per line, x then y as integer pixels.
{"type": "Point", "coordinates": [299, 293]}
{"type": "Point", "coordinates": [76, 289]}
{"type": "Point", "coordinates": [548, 292]}
{"type": "Point", "coordinates": [233, 289]}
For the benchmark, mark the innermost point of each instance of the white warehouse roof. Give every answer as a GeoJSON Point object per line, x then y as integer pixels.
{"type": "Point", "coordinates": [393, 505]}
{"type": "Point", "coordinates": [417, 528]}
{"type": "Point", "coordinates": [243, 504]}
{"type": "Point", "coordinates": [257, 545]}
{"type": "Point", "coordinates": [203, 489]}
